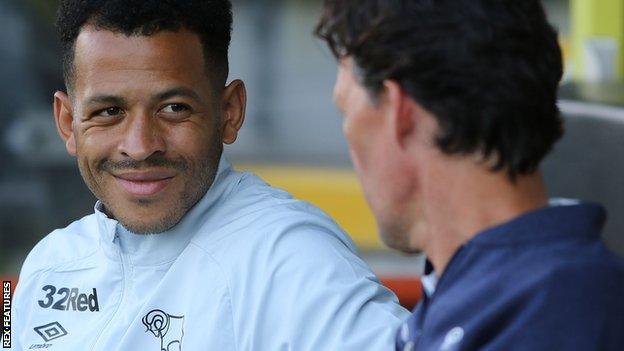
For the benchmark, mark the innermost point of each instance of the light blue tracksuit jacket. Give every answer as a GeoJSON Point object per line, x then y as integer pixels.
{"type": "Point", "coordinates": [247, 268]}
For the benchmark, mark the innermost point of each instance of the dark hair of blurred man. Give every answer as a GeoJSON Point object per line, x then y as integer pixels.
{"type": "Point", "coordinates": [182, 252]}
{"type": "Point", "coordinates": [449, 106]}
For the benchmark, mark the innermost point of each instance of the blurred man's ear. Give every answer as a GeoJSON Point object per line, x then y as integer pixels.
{"type": "Point", "coordinates": [400, 108]}
{"type": "Point", "coordinates": [64, 120]}
{"type": "Point", "coordinates": [412, 124]}
{"type": "Point", "coordinates": [233, 110]}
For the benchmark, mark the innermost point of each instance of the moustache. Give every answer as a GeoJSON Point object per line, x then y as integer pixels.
{"type": "Point", "coordinates": [150, 162]}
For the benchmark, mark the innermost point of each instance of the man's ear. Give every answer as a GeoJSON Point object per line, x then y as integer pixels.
{"type": "Point", "coordinates": [64, 118]}
{"type": "Point", "coordinates": [400, 108]}
{"type": "Point", "coordinates": [233, 110]}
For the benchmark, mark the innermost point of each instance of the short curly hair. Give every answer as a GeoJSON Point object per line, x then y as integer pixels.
{"type": "Point", "coordinates": [488, 70]}
{"type": "Point", "coordinates": [211, 20]}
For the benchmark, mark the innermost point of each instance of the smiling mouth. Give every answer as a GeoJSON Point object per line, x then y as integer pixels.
{"type": "Point", "coordinates": [144, 183]}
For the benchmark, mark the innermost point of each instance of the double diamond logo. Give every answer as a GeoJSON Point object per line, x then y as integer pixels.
{"type": "Point", "coordinates": [51, 331]}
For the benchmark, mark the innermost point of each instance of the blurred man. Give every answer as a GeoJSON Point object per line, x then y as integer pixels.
{"type": "Point", "coordinates": [182, 252]}
{"type": "Point", "coordinates": [449, 107]}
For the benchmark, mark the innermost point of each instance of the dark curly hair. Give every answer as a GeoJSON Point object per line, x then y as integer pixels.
{"type": "Point", "coordinates": [488, 70]}
{"type": "Point", "coordinates": [211, 20]}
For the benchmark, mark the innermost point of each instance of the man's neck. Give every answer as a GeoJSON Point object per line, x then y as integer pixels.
{"type": "Point", "coordinates": [459, 205]}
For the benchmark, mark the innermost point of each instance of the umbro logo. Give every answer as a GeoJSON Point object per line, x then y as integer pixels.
{"type": "Point", "coordinates": [452, 339]}
{"type": "Point", "coordinates": [51, 331]}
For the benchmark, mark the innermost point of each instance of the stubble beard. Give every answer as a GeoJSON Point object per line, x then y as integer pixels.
{"type": "Point", "coordinates": [395, 236]}
{"type": "Point", "coordinates": [197, 185]}
{"type": "Point", "coordinates": [402, 229]}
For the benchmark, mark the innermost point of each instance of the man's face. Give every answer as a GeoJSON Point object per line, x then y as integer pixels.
{"type": "Point", "coordinates": [146, 124]}
{"type": "Point", "coordinates": [372, 146]}
{"type": "Point", "coordinates": [362, 121]}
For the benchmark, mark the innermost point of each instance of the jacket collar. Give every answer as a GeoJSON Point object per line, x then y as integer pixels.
{"type": "Point", "coordinates": [562, 220]}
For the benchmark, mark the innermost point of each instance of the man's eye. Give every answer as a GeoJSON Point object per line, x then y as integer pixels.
{"type": "Point", "coordinates": [175, 108]}
{"type": "Point", "coordinates": [110, 112]}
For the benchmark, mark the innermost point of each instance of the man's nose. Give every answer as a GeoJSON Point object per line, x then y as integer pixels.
{"type": "Point", "coordinates": [142, 137]}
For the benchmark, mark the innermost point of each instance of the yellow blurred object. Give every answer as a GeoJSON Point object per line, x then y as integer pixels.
{"type": "Point", "coordinates": [598, 39]}
{"type": "Point", "coordinates": [566, 47]}
{"type": "Point", "coordinates": [336, 191]}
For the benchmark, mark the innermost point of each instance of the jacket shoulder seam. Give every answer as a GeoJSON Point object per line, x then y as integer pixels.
{"type": "Point", "coordinates": [228, 287]}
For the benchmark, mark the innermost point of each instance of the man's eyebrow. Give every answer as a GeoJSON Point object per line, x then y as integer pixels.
{"type": "Point", "coordinates": [106, 99]}
{"type": "Point", "coordinates": [177, 91]}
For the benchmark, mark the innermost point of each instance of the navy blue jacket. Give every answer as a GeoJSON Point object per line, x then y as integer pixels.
{"type": "Point", "coordinates": [543, 281]}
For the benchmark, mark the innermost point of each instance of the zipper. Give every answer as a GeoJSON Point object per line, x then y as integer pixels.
{"type": "Point", "coordinates": [124, 285]}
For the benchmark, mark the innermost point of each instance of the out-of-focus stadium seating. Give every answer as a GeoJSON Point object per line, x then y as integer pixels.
{"type": "Point", "coordinates": [588, 163]}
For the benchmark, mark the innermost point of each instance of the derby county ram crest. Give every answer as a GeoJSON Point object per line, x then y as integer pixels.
{"type": "Point", "coordinates": [168, 328]}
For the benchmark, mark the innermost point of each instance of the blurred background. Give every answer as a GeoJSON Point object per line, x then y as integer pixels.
{"type": "Point", "coordinates": [293, 136]}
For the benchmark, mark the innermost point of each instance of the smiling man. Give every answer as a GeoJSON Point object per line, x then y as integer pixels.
{"type": "Point", "coordinates": [146, 129]}
{"type": "Point", "coordinates": [182, 252]}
